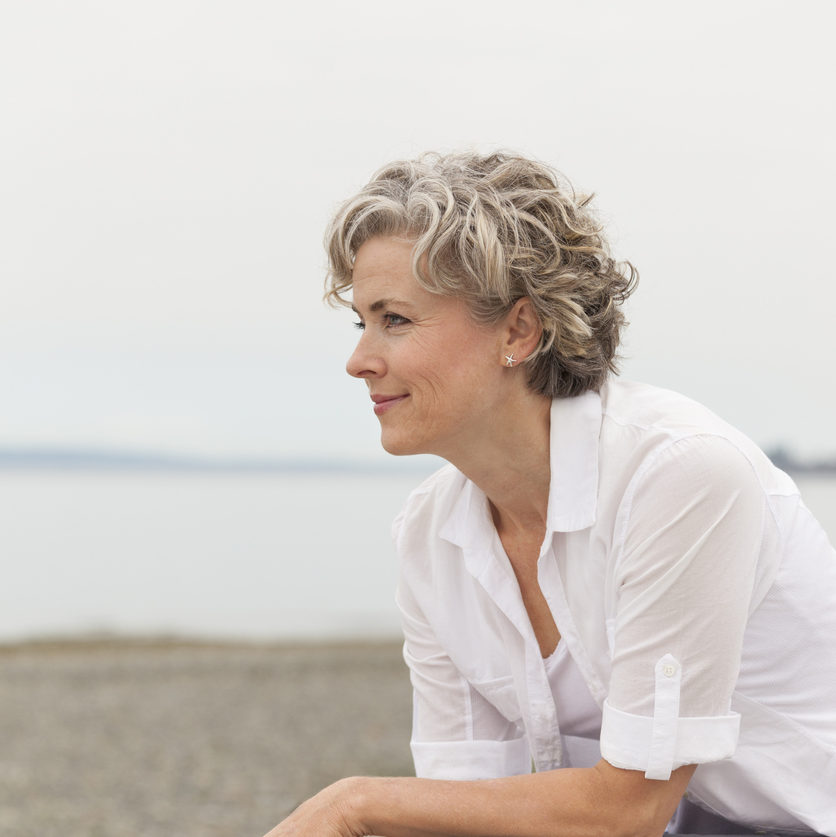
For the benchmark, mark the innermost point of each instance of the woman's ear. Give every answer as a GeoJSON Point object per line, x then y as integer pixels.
{"type": "Point", "coordinates": [522, 329]}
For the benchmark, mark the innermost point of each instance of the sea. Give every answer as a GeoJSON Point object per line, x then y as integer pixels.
{"type": "Point", "coordinates": [301, 556]}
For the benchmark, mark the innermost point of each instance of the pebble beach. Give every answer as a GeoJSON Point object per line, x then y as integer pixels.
{"type": "Point", "coordinates": [105, 738]}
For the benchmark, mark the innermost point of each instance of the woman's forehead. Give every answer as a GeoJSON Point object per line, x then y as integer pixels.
{"type": "Point", "coordinates": [384, 252]}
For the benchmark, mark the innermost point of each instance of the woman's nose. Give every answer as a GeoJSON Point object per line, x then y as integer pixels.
{"type": "Point", "coordinates": [364, 361]}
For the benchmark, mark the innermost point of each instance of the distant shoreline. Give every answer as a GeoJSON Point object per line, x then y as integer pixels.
{"type": "Point", "coordinates": [70, 459]}
{"type": "Point", "coordinates": [81, 459]}
{"type": "Point", "coordinates": [789, 463]}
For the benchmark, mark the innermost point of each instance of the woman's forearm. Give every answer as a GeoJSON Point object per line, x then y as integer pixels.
{"type": "Point", "coordinates": [570, 802]}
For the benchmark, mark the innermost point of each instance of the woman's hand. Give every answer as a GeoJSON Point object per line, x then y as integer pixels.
{"type": "Point", "coordinates": [328, 814]}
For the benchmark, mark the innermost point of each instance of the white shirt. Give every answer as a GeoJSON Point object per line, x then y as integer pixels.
{"type": "Point", "coordinates": [693, 589]}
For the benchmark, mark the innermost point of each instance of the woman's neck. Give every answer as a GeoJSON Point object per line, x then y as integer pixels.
{"type": "Point", "coordinates": [510, 464]}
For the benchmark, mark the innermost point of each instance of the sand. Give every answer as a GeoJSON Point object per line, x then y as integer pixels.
{"type": "Point", "coordinates": [146, 738]}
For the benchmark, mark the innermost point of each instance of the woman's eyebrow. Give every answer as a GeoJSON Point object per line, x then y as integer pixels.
{"type": "Point", "coordinates": [380, 304]}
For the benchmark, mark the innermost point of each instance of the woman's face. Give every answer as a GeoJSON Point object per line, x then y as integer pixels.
{"type": "Point", "coordinates": [435, 376]}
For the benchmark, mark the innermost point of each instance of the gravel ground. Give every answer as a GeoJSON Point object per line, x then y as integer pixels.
{"type": "Point", "coordinates": [104, 739]}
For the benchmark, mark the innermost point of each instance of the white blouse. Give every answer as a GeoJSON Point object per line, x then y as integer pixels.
{"type": "Point", "coordinates": [692, 588]}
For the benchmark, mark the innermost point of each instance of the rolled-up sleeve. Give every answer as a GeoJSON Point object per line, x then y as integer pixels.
{"type": "Point", "coordinates": [688, 538]}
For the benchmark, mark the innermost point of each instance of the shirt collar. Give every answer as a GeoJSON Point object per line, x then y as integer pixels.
{"type": "Point", "coordinates": [573, 456]}
{"type": "Point", "coordinates": [573, 489]}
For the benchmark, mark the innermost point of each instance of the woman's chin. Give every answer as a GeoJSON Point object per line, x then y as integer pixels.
{"type": "Point", "coordinates": [397, 445]}
{"type": "Point", "coordinates": [395, 449]}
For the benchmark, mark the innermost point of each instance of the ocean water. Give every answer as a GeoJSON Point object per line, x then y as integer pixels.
{"type": "Point", "coordinates": [238, 556]}
{"type": "Point", "coordinates": [198, 554]}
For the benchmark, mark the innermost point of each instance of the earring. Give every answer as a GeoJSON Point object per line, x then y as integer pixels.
{"type": "Point", "coordinates": [509, 359]}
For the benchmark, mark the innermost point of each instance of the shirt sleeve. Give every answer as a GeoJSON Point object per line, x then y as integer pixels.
{"type": "Point", "coordinates": [456, 732]}
{"type": "Point", "coordinates": [688, 538]}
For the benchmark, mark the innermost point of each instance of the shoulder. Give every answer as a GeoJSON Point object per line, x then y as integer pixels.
{"type": "Point", "coordinates": [647, 429]}
{"type": "Point", "coordinates": [658, 410]}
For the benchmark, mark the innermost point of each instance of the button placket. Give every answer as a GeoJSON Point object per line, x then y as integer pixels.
{"type": "Point", "coordinates": [541, 714]}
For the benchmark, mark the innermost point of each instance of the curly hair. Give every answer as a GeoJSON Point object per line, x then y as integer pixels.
{"type": "Point", "coordinates": [492, 230]}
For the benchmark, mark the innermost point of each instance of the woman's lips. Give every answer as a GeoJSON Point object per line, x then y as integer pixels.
{"type": "Point", "coordinates": [382, 403]}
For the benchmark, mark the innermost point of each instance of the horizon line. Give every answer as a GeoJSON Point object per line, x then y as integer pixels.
{"type": "Point", "coordinates": [56, 457]}
{"type": "Point", "coordinates": [71, 457]}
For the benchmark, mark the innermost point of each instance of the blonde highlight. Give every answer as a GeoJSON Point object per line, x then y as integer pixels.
{"type": "Point", "coordinates": [493, 229]}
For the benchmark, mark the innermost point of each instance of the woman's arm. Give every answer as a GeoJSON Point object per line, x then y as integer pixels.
{"type": "Point", "coordinates": [575, 802]}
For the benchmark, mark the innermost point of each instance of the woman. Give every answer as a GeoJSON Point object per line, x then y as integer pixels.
{"type": "Point", "coordinates": [607, 582]}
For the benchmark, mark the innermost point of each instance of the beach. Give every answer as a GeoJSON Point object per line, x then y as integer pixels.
{"type": "Point", "coordinates": [104, 738]}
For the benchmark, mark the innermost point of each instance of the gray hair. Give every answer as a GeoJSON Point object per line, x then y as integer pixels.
{"type": "Point", "coordinates": [492, 230]}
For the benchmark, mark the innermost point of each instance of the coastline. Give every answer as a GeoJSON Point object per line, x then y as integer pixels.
{"type": "Point", "coordinates": [157, 736]}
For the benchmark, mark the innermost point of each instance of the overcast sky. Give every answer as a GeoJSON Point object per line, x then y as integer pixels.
{"type": "Point", "coordinates": [167, 169]}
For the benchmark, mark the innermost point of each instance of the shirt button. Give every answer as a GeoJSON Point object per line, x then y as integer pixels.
{"type": "Point", "coordinates": [669, 669]}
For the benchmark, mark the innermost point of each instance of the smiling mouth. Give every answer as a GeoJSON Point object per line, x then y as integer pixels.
{"type": "Point", "coordinates": [382, 403]}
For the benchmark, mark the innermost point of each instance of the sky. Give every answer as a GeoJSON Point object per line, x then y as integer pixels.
{"type": "Point", "coordinates": [167, 170]}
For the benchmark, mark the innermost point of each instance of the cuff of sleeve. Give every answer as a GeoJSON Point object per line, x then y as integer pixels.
{"type": "Point", "coordinates": [627, 741]}
{"type": "Point", "coordinates": [471, 759]}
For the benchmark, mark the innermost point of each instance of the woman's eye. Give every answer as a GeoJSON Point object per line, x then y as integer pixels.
{"type": "Point", "coordinates": [394, 320]}
{"type": "Point", "coordinates": [360, 324]}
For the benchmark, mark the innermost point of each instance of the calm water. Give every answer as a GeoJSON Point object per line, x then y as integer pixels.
{"type": "Point", "coordinates": [239, 556]}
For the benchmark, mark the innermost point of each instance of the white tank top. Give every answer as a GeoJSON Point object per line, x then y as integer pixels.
{"type": "Point", "coordinates": [577, 713]}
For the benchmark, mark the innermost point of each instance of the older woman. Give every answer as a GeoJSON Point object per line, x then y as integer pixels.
{"type": "Point", "coordinates": [607, 583]}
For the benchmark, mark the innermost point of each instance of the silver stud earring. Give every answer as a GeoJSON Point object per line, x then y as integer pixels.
{"type": "Point", "coordinates": [509, 360]}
